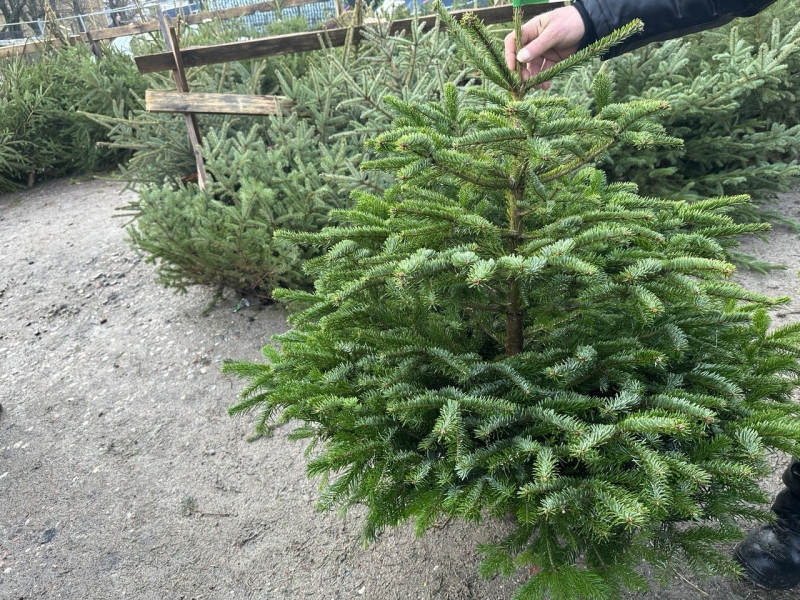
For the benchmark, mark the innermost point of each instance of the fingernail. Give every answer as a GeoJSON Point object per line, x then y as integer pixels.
{"type": "Point", "coordinates": [523, 56]}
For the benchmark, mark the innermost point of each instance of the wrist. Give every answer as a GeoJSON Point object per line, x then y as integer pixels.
{"type": "Point", "coordinates": [590, 34]}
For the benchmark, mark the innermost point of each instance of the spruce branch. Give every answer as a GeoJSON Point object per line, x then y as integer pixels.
{"type": "Point", "coordinates": [596, 49]}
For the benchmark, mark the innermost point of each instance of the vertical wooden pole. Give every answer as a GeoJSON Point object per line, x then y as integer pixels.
{"type": "Point", "coordinates": [356, 20]}
{"type": "Point", "coordinates": [179, 75]}
{"type": "Point", "coordinates": [95, 47]}
{"type": "Point", "coordinates": [93, 44]}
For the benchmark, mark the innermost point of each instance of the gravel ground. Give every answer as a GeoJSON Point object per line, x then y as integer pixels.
{"type": "Point", "coordinates": [121, 474]}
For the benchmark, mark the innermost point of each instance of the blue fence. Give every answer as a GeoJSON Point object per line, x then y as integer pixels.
{"type": "Point", "coordinates": [324, 10]}
{"type": "Point", "coordinates": [314, 13]}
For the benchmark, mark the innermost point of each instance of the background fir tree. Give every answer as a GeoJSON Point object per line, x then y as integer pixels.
{"type": "Point", "coordinates": [222, 236]}
{"type": "Point", "coordinates": [41, 132]}
{"type": "Point", "coordinates": [298, 166]}
{"type": "Point", "coordinates": [502, 332]}
{"type": "Point", "coordinates": [733, 94]}
{"type": "Point", "coordinates": [733, 105]}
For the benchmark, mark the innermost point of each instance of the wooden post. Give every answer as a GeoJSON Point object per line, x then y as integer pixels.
{"type": "Point", "coordinates": [179, 74]}
{"type": "Point", "coordinates": [93, 44]}
{"type": "Point", "coordinates": [89, 39]}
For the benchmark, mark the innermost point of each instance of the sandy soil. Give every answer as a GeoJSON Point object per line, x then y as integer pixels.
{"type": "Point", "coordinates": [121, 474]}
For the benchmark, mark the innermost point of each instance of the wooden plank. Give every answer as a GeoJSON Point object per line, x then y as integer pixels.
{"type": "Point", "coordinates": [179, 74]}
{"type": "Point", "coordinates": [171, 42]}
{"type": "Point", "coordinates": [21, 49]}
{"type": "Point", "coordinates": [312, 40]}
{"type": "Point", "coordinates": [164, 101]}
{"type": "Point", "coordinates": [111, 33]}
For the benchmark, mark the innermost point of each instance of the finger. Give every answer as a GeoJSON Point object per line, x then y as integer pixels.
{"type": "Point", "coordinates": [511, 50]}
{"type": "Point", "coordinates": [530, 30]}
{"type": "Point", "coordinates": [534, 67]}
{"type": "Point", "coordinates": [534, 51]}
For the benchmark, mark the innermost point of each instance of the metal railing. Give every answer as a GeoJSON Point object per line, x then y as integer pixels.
{"type": "Point", "coordinates": [75, 25]}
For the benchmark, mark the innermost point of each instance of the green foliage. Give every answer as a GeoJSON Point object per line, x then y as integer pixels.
{"type": "Point", "coordinates": [222, 236]}
{"type": "Point", "coordinates": [733, 94]}
{"type": "Point", "coordinates": [306, 162]}
{"type": "Point", "coordinates": [335, 98]}
{"type": "Point", "coordinates": [12, 162]}
{"type": "Point", "coordinates": [504, 332]}
{"type": "Point", "coordinates": [160, 149]}
{"type": "Point", "coordinates": [40, 131]}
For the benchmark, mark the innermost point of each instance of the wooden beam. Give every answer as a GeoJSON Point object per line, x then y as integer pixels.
{"type": "Point", "coordinates": [21, 49]}
{"type": "Point", "coordinates": [110, 33]}
{"type": "Point", "coordinates": [163, 101]}
{"type": "Point", "coordinates": [96, 50]}
{"type": "Point", "coordinates": [302, 42]}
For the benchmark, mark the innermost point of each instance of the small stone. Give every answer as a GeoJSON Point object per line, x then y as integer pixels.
{"type": "Point", "coordinates": [362, 590]}
{"type": "Point", "coordinates": [48, 536]}
{"type": "Point", "coordinates": [204, 370]}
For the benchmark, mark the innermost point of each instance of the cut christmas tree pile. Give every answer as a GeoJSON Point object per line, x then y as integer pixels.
{"type": "Point", "coordinates": [503, 332]}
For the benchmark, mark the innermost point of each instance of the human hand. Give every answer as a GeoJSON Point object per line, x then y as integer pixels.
{"type": "Point", "coordinates": [547, 40]}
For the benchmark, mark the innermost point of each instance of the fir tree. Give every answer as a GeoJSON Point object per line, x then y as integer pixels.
{"type": "Point", "coordinates": [733, 94]}
{"type": "Point", "coordinates": [222, 236]}
{"type": "Point", "coordinates": [297, 167]}
{"type": "Point", "coordinates": [42, 133]}
{"type": "Point", "coordinates": [503, 332]}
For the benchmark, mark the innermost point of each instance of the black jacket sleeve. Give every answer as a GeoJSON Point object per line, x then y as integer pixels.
{"type": "Point", "coordinates": [663, 19]}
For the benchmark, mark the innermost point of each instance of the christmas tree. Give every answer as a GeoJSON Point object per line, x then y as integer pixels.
{"type": "Point", "coordinates": [222, 236]}
{"type": "Point", "coordinates": [732, 94]}
{"type": "Point", "coordinates": [504, 333]}
{"type": "Point", "coordinates": [298, 165]}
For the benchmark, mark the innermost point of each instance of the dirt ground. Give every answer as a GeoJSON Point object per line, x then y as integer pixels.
{"type": "Point", "coordinates": [121, 474]}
